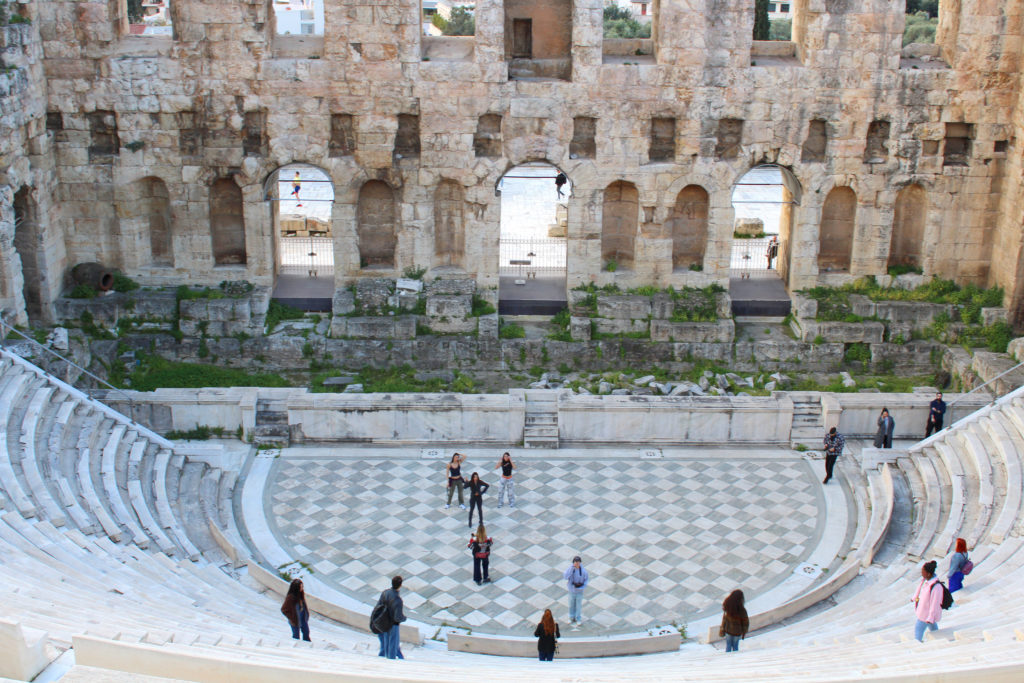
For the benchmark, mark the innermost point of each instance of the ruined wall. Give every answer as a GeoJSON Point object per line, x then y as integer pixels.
{"type": "Point", "coordinates": [225, 99]}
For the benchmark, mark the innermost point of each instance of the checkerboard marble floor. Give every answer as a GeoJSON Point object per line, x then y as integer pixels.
{"type": "Point", "coordinates": [664, 540]}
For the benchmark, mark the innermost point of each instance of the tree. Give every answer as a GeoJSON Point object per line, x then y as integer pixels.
{"type": "Point", "coordinates": [782, 29]}
{"type": "Point", "coordinates": [762, 28]}
{"type": "Point", "coordinates": [439, 21]}
{"type": "Point", "coordinates": [135, 12]}
{"type": "Point", "coordinates": [619, 23]}
{"type": "Point", "coordinates": [462, 23]}
{"type": "Point", "coordinates": [931, 7]}
{"type": "Point", "coordinates": [613, 12]}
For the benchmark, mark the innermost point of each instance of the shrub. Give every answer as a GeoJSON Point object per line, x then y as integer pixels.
{"type": "Point", "coordinates": [511, 331]}
{"type": "Point", "coordinates": [278, 311]}
{"type": "Point", "coordinates": [481, 307]}
{"type": "Point", "coordinates": [611, 265]}
{"type": "Point", "coordinates": [123, 283]}
{"type": "Point", "coordinates": [412, 272]}
{"type": "Point", "coordinates": [82, 292]}
{"type": "Point", "coordinates": [857, 352]}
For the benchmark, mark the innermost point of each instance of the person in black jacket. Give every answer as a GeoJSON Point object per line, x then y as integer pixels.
{"type": "Point", "coordinates": [477, 489]}
{"type": "Point", "coordinates": [390, 645]}
{"type": "Point", "coordinates": [936, 413]}
{"type": "Point", "coordinates": [481, 544]}
{"type": "Point", "coordinates": [547, 637]}
{"type": "Point", "coordinates": [886, 425]}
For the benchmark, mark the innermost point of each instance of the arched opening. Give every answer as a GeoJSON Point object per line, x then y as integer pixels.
{"type": "Point", "coordinates": [619, 220]}
{"type": "Point", "coordinates": [908, 223]}
{"type": "Point", "coordinates": [762, 203]}
{"type": "Point", "coordinates": [835, 240]}
{"type": "Point", "coordinates": [376, 225]}
{"type": "Point", "coordinates": [532, 244]}
{"type": "Point", "coordinates": [449, 224]}
{"type": "Point", "coordinates": [227, 223]}
{"type": "Point", "coordinates": [689, 228]}
{"type": "Point", "coordinates": [155, 212]}
{"type": "Point", "coordinates": [302, 200]}
{"type": "Point", "coordinates": [26, 244]}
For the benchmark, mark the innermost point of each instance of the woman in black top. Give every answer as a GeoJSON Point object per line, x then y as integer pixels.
{"type": "Point", "coordinates": [477, 488]}
{"type": "Point", "coordinates": [454, 473]}
{"type": "Point", "coordinates": [547, 637]}
{"type": "Point", "coordinates": [507, 486]}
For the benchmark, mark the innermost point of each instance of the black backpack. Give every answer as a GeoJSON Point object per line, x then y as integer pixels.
{"type": "Point", "coordinates": [947, 597]}
{"type": "Point", "coordinates": [380, 618]}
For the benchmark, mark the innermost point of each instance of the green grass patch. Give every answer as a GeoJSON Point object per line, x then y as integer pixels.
{"type": "Point", "coordinates": [199, 433]}
{"type": "Point", "coordinates": [155, 372]}
{"type": "Point", "coordinates": [278, 311]}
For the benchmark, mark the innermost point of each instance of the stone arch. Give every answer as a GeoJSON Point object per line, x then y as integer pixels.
{"type": "Point", "coordinates": [689, 226]}
{"type": "Point", "coordinates": [154, 212]}
{"type": "Point", "coordinates": [227, 223]}
{"type": "Point", "coordinates": [619, 217]}
{"type": "Point", "coordinates": [838, 219]}
{"type": "Point", "coordinates": [449, 223]}
{"type": "Point", "coordinates": [908, 221]}
{"type": "Point", "coordinates": [375, 224]}
{"type": "Point", "coordinates": [26, 244]}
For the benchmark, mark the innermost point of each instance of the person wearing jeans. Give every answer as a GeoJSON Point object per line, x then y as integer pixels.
{"type": "Point", "coordinates": [927, 601]}
{"type": "Point", "coordinates": [390, 643]}
{"type": "Point", "coordinates": [506, 466]}
{"type": "Point", "coordinates": [735, 622]}
{"type": "Point", "coordinates": [576, 578]}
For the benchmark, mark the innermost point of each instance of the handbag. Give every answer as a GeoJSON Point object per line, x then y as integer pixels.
{"type": "Point", "coordinates": [967, 568]}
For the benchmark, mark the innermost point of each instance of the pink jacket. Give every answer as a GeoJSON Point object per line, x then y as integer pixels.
{"type": "Point", "coordinates": [928, 600]}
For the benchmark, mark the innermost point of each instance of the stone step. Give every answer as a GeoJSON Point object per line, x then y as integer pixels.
{"type": "Point", "coordinates": [271, 417]}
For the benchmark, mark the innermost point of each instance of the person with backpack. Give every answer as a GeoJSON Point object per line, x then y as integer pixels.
{"type": "Point", "coordinates": [959, 566]}
{"type": "Point", "coordinates": [296, 611]}
{"type": "Point", "coordinates": [385, 621]}
{"type": "Point", "coordinates": [547, 637]}
{"type": "Point", "coordinates": [481, 544]}
{"type": "Point", "coordinates": [929, 601]}
{"type": "Point", "coordinates": [577, 578]}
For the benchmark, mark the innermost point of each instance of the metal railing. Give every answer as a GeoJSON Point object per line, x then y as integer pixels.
{"type": "Point", "coordinates": [310, 256]}
{"type": "Point", "coordinates": [751, 255]}
{"type": "Point", "coordinates": [7, 329]}
{"type": "Point", "coordinates": [528, 255]}
{"type": "Point", "coordinates": [995, 395]}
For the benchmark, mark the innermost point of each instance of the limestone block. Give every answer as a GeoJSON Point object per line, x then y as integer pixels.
{"type": "Point", "coordinates": [624, 306]}
{"type": "Point", "coordinates": [619, 326]}
{"type": "Point", "coordinates": [804, 307]}
{"type": "Point", "coordinates": [723, 305]}
{"type": "Point", "coordinates": [662, 306]}
{"type": "Point", "coordinates": [913, 356]}
{"type": "Point", "coordinates": [868, 332]}
{"type": "Point", "coordinates": [373, 293]}
{"type": "Point", "coordinates": [1016, 349]}
{"type": "Point", "coordinates": [579, 329]}
{"type": "Point", "coordinates": [344, 303]}
{"type": "Point", "coordinates": [339, 327]}
{"type": "Point", "coordinates": [370, 327]}
{"type": "Point", "coordinates": [918, 314]}
{"type": "Point", "coordinates": [405, 327]}
{"type": "Point", "coordinates": [993, 315]}
{"type": "Point", "coordinates": [451, 306]}
{"type": "Point", "coordinates": [749, 226]}
{"type": "Point", "coordinates": [487, 326]}
{"type": "Point", "coordinates": [862, 306]}
{"type": "Point", "coordinates": [720, 331]}
{"type": "Point", "coordinates": [462, 286]}
{"type": "Point", "coordinates": [904, 331]}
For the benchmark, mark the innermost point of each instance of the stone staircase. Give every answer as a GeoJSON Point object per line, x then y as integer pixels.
{"type": "Point", "coordinates": [541, 430]}
{"type": "Point", "coordinates": [271, 427]}
{"type": "Point", "coordinates": [808, 427]}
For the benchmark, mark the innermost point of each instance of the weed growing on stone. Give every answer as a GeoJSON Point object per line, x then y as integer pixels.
{"type": "Point", "coordinates": [154, 372]}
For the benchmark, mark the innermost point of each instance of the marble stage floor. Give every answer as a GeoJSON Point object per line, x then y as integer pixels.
{"type": "Point", "coordinates": [664, 539]}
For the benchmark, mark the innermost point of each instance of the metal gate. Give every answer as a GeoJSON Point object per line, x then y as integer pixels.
{"type": "Point", "coordinates": [750, 256]}
{"type": "Point", "coordinates": [527, 257]}
{"type": "Point", "coordinates": [310, 256]}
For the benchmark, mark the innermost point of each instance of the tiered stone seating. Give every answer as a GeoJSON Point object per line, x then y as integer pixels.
{"type": "Point", "coordinates": [107, 543]}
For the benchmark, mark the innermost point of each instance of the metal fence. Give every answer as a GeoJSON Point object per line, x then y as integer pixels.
{"type": "Point", "coordinates": [526, 256]}
{"type": "Point", "coordinates": [311, 256]}
{"type": "Point", "coordinates": [751, 256]}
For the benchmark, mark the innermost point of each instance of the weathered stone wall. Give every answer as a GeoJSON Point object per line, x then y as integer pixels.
{"type": "Point", "coordinates": [225, 99]}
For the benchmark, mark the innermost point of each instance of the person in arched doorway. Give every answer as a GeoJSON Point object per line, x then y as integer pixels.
{"type": "Point", "coordinates": [560, 180]}
{"type": "Point", "coordinates": [773, 250]}
{"type": "Point", "coordinates": [296, 186]}
{"type": "Point", "coordinates": [507, 485]}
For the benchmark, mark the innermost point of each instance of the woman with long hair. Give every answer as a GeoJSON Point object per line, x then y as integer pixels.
{"type": "Point", "coordinates": [506, 466]}
{"type": "Point", "coordinates": [481, 544]}
{"type": "Point", "coordinates": [296, 611]}
{"type": "Point", "coordinates": [477, 488]}
{"type": "Point", "coordinates": [547, 637]}
{"type": "Point", "coordinates": [958, 562]}
{"type": "Point", "coordinates": [735, 623]}
{"type": "Point", "coordinates": [886, 425]}
{"type": "Point", "coordinates": [454, 474]}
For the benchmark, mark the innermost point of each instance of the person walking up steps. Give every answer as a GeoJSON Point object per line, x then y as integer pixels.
{"type": "Point", "coordinates": [834, 443]}
{"type": "Point", "coordinates": [507, 484]}
{"type": "Point", "coordinates": [547, 637]}
{"type": "Point", "coordinates": [477, 488]}
{"type": "Point", "coordinates": [927, 601]}
{"type": "Point", "coordinates": [735, 622]}
{"type": "Point", "coordinates": [454, 473]}
{"type": "Point", "coordinates": [481, 544]}
{"type": "Point", "coordinates": [576, 578]}
{"type": "Point", "coordinates": [296, 611]}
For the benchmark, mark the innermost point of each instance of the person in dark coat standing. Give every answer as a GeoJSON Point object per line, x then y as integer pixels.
{"type": "Point", "coordinates": [886, 425]}
{"type": "Point", "coordinates": [834, 443]}
{"type": "Point", "coordinates": [936, 413]}
{"type": "Point", "coordinates": [390, 644]}
{"type": "Point", "coordinates": [547, 637]}
{"type": "Point", "coordinates": [735, 622]}
{"type": "Point", "coordinates": [296, 611]}
{"type": "Point", "coordinates": [481, 544]}
{"type": "Point", "coordinates": [477, 488]}
{"type": "Point", "coordinates": [560, 180]}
